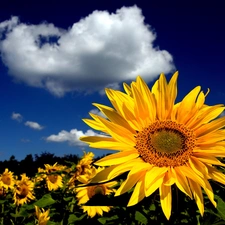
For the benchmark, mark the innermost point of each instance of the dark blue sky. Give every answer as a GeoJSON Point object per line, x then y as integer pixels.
{"type": "Point", "coordinates": [193, 35]}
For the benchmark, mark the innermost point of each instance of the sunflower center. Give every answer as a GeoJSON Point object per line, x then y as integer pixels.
{"type": "Point", "coordinates": [6, 179]}
{"type": "Point", "coordinates": [53, 178]}
{"type": "Point", "coordinates": [23, 191]}
{"type": "Point", "coordinates": [165, 143]}
{"type": "Point", "coordinates": [96, 190]}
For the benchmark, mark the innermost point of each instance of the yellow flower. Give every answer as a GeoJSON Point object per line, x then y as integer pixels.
{"type": "Point", "coordinates": [84, 170]}
{"type": "Point", "coordinates": [161, 143]}
{"type": "Point", "coordinates": [84, 194]}
{"type": "Point", "coordinates": [23, 192]}
{"type": "Point", "coordinates": [7, 179]}
{"type": "Point", "coordinates": [53, 180]}
{"type": "Point", "coordinates": [42, 215]}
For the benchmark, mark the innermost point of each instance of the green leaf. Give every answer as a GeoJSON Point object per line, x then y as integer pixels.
{"type": "Point", "coordinates": [68, 199]}
{"type": "Point", "coordinates": [73, 218]}
{"type": "Point", "coordinates": [2, 201]}
{"type": "Point", "coordinates": [103, 220]}
{"type": "Point", "coordinates": [220, 207]}
{"type": "Point", "coordinates": [140, 218]}
{"type": "Point", "coordinates": [152, 207]}
{"type": "Point", "coordinates": [46, 200]}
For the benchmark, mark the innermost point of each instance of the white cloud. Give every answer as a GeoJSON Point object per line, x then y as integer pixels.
{"type": "Point", "coordinates": [72, 137]}
{"type": "Point", "coordinates": [17, 116]}
{"type": "Point", "coordinates": [97, 112]}
{"type": "Point", "coordinates": [33, 125]}
{"type": "Point", "coordinates": [100, 50]}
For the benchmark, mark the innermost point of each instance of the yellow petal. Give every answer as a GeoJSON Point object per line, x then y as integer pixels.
{"type": "Point", "coordinates": [198, 167]}
{"type": "Point", "coordinates": [117, 158]}
{"type": "Point", "coordinates": [209, 192]}
{"type": "Point", "coordinates": [166, 199]}
{"type": "Point", "coordinates": [118, 132]}
{"type": "Point", "coordinates": [95, 124]}
{"type": "Point", "coordinates": [182, 182]}
{"type": "Point", "coordinates": [103, 175]}
{"type": "Point", "coordinates": [187, 107]}
{"type": "Point", "coordinates": [129, 183]}
{"type": "Point", "coordinates": [113, 171]}
{"type": "Point", "coordinates": [150, 104]}
{"type": "Point", "coordinates": [160, 91]}
{"type": "Point", "coordinates": [204, 116]}
{"type": "Point", "coordinates": [216, 175]}
{"type": "Point", "coordinates": [172, 92]}
{"type": "Point", "coordinates": [154, 186]}
{"type": "Point", "coordinates": [188, 172]}
{"type": "Point", "coordinates": [124, 167]}
{"type": "Point", "coordinates": [107, 143]}
{"type": "Point", "coordinates": [153, 174]}
{"type": "Point", "coordinates": [138, 192]}
{"type": "Point", "coordinates": [140, 108]}
{"type": "Point", "coordinates": [197, 193]}
{"type": "Point", "coordinates": [127, 89]}
{"type": "Point", "coordinates": [113, 116]}
{"type": "Point", "coordinates": [205, 158]}
{"type": "Point", "coordinates": [210, 127]}
{"type": "Point", "coordinates": [170, 177]}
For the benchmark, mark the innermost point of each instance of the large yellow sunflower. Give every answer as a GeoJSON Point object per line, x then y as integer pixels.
{"type": "Point", "coordinates": [161, 142]}
{"type": "Point", "coordinates": [84, 194]}
{"type": "Point", "coordinates": [7, 179]}
{"type": "Point", "coordinates": [23, 192]}
{"type": "Point", "coordinates": [42, 215]}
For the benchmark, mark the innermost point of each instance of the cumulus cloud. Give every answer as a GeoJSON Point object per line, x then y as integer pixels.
{"type": "Point", "coordinates": [72, 137]}
{"type": "Point", "coordinates": [17, 116]}
{"type": "Point", "coordinates": [100, 50]}
{"type": "Point", "coordinates": [33, 125]}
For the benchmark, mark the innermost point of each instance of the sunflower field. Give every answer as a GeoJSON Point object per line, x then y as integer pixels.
{"type": "Point", "coordinates": [168, 166]}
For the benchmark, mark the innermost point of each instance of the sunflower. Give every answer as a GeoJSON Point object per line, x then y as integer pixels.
{"type": "Point", "coordinates": [7, 179]}
{"type": "Point", "coordinates": [161, 143]}
{"type": "Point", "coordinates": [84, 169]}
{"type": "Point", "coordinates": [42, 215]}
{"type": "Point", "coordinates": [53, 180]}
{"type": "Point", "coordinates": [23, 192]}
{"type": "Point", "coordinates": [84, 194]}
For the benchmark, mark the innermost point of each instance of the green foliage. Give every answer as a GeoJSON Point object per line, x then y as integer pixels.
{"type": "Point", "coordinates": [45, 201]}
{"type": "Point", "coordinates": [64, 208]}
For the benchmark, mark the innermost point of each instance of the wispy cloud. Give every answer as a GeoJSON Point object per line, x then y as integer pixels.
{"type": "Point", "coordinates": [17, 116]}
{"type": "Point", "coordinates": [100, 50]}
{"type": "Point", "coordinates": [72, 136]}
{"type": "Point", "coordinates": [25, 140]}
{"type": "Point", "coordinates": [34, 125]}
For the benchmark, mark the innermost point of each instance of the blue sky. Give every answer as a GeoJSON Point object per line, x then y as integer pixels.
{"type": "Point", "coordinates": [58, 56]}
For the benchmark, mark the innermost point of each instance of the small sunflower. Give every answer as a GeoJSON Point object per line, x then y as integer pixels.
{"type": "Point", "coordinates": [85, 171]}
{"type": "Point", "coordinates": [84, 194]}
{"type": "Point", "coordinates": [7, 179]}
{"type": "Point", "coordinates": [160, 142]}
{"type": "Point", "coordinates": [42, 215]}
{"type": "Point", "coordinates": [23, 191]}
{"type": "Point", "coordinates": [53, 180]}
